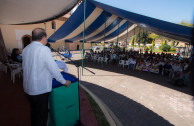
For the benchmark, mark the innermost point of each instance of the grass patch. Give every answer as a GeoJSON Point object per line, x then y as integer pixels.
{"type": "Point", "coordinates": [100, 117]}
{"type": "Point", "coordinates": [158, 50]}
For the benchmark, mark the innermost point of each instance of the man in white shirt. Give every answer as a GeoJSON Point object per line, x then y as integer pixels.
{"type": "Point", "coordinates": [38, 70]}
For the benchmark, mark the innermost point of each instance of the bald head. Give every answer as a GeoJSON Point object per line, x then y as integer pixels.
{"type": "Point", "coordinates": [38, 34]}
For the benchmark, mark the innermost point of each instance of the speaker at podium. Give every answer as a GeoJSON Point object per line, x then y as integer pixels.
{"type": "Point", "coordinates": [64, 102]}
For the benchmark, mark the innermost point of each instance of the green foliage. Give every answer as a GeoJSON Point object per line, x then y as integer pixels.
{"type": "Point", "coordinates": [116, 47]}
{"type": "Point", "coordinates": [162, 43]}
{"type": "Point", "coordinates": [148, 47]}
{"type": "Point", "coordinates": [172, 43]}
{"type": "Point", "coordinates": [143, 37]}
{"type": "Point", "coordinates": [173, 49]}
{"type": "Point", "coordinates": [165, 48]}
{"type": "Point", "coordinates": [132, 41]}
{"type": "Point", "coordinates": [153, 43]}
{"type": "Point", "coordinates": [154, 36]}
{"type": "Point", "coordinates": [186, 24]}
{"type": "Point", "coordinates": [165, 42]}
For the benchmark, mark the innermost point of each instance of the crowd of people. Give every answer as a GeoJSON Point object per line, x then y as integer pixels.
{"type": "Point", "coordinates": [172, 65]}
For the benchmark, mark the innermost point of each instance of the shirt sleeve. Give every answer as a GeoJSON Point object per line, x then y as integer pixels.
{"type": "Point", "coordinates": [52, 66]}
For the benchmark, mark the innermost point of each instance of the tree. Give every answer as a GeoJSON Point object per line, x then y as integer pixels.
{"type": "Point", "coordinates": [154, 36]}
{"type": "Point", "coordinates": [172, 44]}
{"type": "Point", "coordinates": [162, 43]}
{"type": "Point", "coordinates": [186, 24]}
{"type": "Point", "coordinates": [165, 48]}
{"type": "Point", "coordinates": [153, 43]}
{"type": "Point", "coordinates": [143, 37]}
{"type": "Point", "coordinates": [165, 42]}
{"type": "Point", "coordinates": [132, 41]}
{"type": "Point", "coordinates": [138, 39]}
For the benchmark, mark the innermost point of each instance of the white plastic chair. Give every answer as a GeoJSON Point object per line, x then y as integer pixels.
{"type": "Point", "coordinates": [95, 58]}
{"type": "Point", "coordinates": [127, 64]}
{"type": "Point", "coordinates": [121, 62]}
{"type": "Point", "coordinates": [3, 67]}
{"type": "Point", "coordinates": [15, 69]}
{"type": "Point", "coordinates": [100, 59]}
{"type": "Point", "coordinates": [106, 60]}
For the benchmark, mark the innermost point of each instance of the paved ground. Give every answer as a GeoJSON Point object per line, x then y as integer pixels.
{"type": "Point", "coordinates": [138, 98]}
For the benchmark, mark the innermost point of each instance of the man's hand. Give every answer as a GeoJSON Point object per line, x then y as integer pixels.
{"type": "Point", "coordinates": [67, 83]}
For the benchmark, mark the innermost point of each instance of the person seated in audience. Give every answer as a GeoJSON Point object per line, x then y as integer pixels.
{"type": "Point", "coordinates": [88, 56]}
{"type": "Point", "coordinates": [130, 59]}
{"type": "Point", "coordinates": [167, 68]}
{"type": "Point", "coordinates": [139, 65]}
{"type": "Point", "coordinates": [146, 66]}
{"type": "Point", "coordinates": [15, 56]}
{"type": "Point", "coordinates": [114, 58]}
{"type": "Point", "coordinates": [177, 68]}
{"type": "Point", "coordinates": [132, 64]}
{"type": "Point", "coordinates": [154, 67]}
{"type": "Point", "coordinates": [161, 65]}
{"type": "Point", "coordinates": [186, 73]}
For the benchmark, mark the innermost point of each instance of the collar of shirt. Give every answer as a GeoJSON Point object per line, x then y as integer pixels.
{"type": "Point", "coordinates": [37, 42]}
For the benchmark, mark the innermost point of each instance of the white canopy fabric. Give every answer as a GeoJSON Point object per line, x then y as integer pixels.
{"type": "Point", "coordinates": [33, 11]}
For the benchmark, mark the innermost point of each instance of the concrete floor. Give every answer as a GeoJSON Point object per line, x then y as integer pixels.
{"type": "Point", "coordinates": [137, 98]}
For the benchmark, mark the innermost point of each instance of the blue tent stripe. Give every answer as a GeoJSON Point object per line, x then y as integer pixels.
{"type": "Point", "coordinates": [160, 27]}
{"type": "Point", "coordinates": [94, 26]}
{"type": "Point", "coordinates": [110, 27]}
{"type": "Point", "coordinates": [72, 23]}
{"type": "Point", "coordinates": [163, 28]}
{"type": "Point", "coordinates": [122, 28]}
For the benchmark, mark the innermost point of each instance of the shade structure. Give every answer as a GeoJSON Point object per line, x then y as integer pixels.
{"type": "Point", "coordinates": [33, 11]}
{"type": "Point", "coordinates": [117, 21]}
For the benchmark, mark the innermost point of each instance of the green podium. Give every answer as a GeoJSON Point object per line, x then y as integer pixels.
{"type": "Point", "coordinates": [64, 103]}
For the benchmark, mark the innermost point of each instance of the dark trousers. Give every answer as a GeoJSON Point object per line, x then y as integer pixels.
{"type": "Point", "coordinates": [39, 109]}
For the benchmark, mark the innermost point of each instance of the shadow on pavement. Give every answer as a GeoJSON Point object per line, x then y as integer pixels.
{"type": "Point", "coordinates": [129, 112]}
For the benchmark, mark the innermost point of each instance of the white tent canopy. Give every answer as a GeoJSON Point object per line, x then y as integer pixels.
{"type": "Point", "coordinates": [33, 11]}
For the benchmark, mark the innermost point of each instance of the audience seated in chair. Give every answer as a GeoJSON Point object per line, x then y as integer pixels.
{"type": "Point", "coordinates": [15, 56]}
{"type": "Point", "coordinates": [167, 68]}
{"type": "Point", "coordinates": [139, 65]}
{"type": "Point", "coordinates": [132, 64]}
{"type": "Point", "coordinates": [154, 67]}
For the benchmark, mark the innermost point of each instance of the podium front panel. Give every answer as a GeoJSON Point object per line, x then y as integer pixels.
{"type": "Point", "coordinates": [64, 103]}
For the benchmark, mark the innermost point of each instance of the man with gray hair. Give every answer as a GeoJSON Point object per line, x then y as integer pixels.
{"type": "Point", "coordinates": [38, 70]}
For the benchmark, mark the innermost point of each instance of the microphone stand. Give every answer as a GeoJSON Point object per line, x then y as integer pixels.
{"type": "Point", "coordinates": [76, 65]}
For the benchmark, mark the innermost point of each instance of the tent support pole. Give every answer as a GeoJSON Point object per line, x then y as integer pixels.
{"type": "Point", "coordinates": [118, 35]}
{"type": "Point", "coordinates": [134, 36]}
{"type": "Point", "coordinates": [65, 46]}
{"type": "Point", "coordinates": [127, 36]}
{"type": "Point", "coordinates": [104, 38]}
{"type": "Point", "coordinates": [83, 36]}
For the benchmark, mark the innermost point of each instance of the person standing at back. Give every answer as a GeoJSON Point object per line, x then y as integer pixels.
{"type": "Point", "coordinates": [38, 70]}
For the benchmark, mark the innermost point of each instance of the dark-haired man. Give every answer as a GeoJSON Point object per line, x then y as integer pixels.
{"type": "Point", "coordinates": [38, 70]}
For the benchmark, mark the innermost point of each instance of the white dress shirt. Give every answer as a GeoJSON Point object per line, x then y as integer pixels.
{"type": "Point", "coordinates": [38, 69]}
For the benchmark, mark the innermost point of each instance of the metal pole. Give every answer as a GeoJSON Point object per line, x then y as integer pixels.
{"type": "Point", "coordinates": [134, 36]}
{"type": "Point", "coordinates": [127, 35]}
{"type": "Point", "coordinates": [104, 37]}
{"type": "Point", "coordinates": [65, 46]}
{"type": "Point", "coordinates": [118, 34]}
{"type": "Point", "coordinates": [83, 36]}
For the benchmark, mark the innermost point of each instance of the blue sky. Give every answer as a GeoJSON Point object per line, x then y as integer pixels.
{"type": "Point", "coordinates": [173, 11]}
